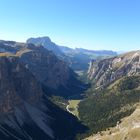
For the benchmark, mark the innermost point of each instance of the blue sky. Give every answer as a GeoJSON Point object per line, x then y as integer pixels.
{"type": "Point", "coordinates": [91, 24]}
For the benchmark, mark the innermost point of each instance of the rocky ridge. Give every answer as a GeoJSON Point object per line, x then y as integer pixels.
{"type": "Point", "coordinates": [106, 71]}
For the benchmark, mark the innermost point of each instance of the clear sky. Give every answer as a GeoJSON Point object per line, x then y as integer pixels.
{"type": "Point", "coordinates": [91, 24]}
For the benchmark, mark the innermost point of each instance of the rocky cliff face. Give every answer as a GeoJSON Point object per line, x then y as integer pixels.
{"type": "Point", "coordinates": [25, 112]}
{"type": "Point", "coordinates": [54, 74]}
{"type": "Point", "coordinates": [106, 71]}
{"type": "Point", "coordinates": [13, 80]}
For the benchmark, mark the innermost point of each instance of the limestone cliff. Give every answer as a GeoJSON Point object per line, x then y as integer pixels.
{"type": "Point", "coordinates": [106, 71]}
{"type": "Point", "coordinates": [13, 80]}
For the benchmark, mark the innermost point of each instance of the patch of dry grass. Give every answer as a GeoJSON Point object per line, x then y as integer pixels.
{"type": "Point", "coordinates": [73, 106]}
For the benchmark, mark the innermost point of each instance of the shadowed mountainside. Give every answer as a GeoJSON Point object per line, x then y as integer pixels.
{"type": "Point", "coordinates": [25, 112]}
{"type": "Point", "coordinates": [54, 74]}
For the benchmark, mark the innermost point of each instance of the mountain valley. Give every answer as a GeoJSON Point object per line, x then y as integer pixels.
{"type": "Point", "coordinates": [41, 94]}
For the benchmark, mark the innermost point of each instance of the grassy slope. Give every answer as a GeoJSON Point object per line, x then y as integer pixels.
{"type": "Point", "coordinates": [18, 54]}
{"type": "Point", "coordinates": [73, 106]}
{"type": "Point", "coordinates": [129, 129]}
{"type": "Point", "coordinates": [104, 109]}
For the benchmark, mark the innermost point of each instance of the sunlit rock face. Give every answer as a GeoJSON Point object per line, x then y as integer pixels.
{"type": "Point", "coordinates": [108, 70]}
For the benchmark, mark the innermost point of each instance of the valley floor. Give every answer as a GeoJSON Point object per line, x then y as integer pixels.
{"type": "Point", "coordinates": [128, 129]}
{"type": "Point", "coordinates": [72, 107]}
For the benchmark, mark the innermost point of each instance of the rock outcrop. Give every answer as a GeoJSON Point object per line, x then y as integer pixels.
{"type": "Point", "coordinates": [106, 71]}
{"type": "Point", "coordinates": [16, 85]}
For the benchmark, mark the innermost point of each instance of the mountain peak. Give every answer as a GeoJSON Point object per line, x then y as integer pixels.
{"type": "Point", "coordinates": [46, 43]}
{"type": "Point", "coordinates": [39, 40]}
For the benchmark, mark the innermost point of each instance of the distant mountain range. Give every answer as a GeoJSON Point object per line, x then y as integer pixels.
{"type": "Point", "coordinates": [78, 59]}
